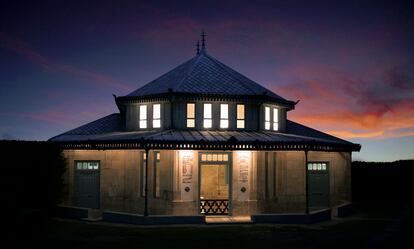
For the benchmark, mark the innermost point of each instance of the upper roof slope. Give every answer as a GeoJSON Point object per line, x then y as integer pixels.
{"type": "Point", "coordinates": [204, 74]}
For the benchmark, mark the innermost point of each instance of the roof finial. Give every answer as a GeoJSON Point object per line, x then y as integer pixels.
{"type": "Point", "coordinates": [198, 47]}
{"type": "Point", "coordinates": [203, 41]}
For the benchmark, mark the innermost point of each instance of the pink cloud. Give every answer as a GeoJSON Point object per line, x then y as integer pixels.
{"type": "Point", "coordinates": [352, 108]}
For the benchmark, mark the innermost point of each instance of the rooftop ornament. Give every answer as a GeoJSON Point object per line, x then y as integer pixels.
{"type": "Point", "coordinates": [203, 41]}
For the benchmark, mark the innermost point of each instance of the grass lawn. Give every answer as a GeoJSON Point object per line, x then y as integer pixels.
{"type": "Point", "coordinates": [348, 233]}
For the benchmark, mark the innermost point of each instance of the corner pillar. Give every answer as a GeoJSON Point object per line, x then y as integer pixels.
{"type": "Point", "coordinates": [146, 182]}
{"type": "Point", "coordinates": [306, 183]}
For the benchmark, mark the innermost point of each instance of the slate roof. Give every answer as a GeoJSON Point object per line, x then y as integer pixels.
{"type": "Point", "coordinates": [204, 74]}
{"type": "Point", "coordinates": [111, 129]}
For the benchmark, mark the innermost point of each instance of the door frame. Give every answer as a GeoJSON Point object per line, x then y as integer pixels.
{"type": "Point", "coordinates": [229, 163]}
{"type": "Point", "coordinates": [75, 180]}
{"type": "Point", "coordinates": [327, 172]}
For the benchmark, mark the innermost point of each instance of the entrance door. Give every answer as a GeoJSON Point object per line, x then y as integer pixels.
{"type": "Point", "coordinates": [318, 185]}
{"type": "Point", "coordinates": [214, 183]}
{"type": "Point", "coordinates": [86, 192]}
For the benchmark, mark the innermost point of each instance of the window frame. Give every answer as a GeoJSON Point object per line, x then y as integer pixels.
{"type": "Point", "coordinates": [267, 118]}
{"type": "Point", "coordinates": [142, 120]}
{"type": "Point", "coordinates": [87, 161]}
{"type": "Point", "coordinates": [223, 119]}
{"type": "Point", "coordinates": [275, 122]}
{"type": "Point", "coordinates": [240, 119]}
{"type": "Point", "coordinates": [206, 118]}
{"type": "Point", "coordinates": [154, 118]}
{"type": "Point", "coordinates": [322, 171]}
{"type": "Point", "coordinates": [193, 118]}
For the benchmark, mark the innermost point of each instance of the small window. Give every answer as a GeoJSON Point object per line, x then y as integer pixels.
{"type": "Point", "coordinates": [214, 157]}
{"type": "Point", "coordinates": [85, 165]}
{"type": "Point", "coordinates": [224, 116]}
{"type": "Point", "coordinates": [190, 115]}
{"type": "Point", "coordinates": [267, 118]}
{"type": "Point", "coordinates": [207, 113]}
{"type": "Point", "coordinates": [317, 166]}
{"type": "Point", "coordinates": [156, 116]}
{"type": "Point", "coordinates": [143, 116]}
{"type": "Point", "coordinates": [275, 119]}
{"type": "Point", "coordinates": [240, 116]}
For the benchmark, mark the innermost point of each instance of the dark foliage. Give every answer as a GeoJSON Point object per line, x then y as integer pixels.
{"type": "Point", "coordinates": [31, 182]}
{"type": "Point", "coordinates": [383, 187]}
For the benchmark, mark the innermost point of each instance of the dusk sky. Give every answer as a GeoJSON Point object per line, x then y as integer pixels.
{"type": "Point", "coordinates": [350, 63]}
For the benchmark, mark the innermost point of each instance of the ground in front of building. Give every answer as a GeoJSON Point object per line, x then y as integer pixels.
{"type": "Point", "coordinates": [354, 232]}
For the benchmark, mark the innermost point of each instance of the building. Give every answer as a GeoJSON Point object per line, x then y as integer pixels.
{"type": "Point", "coordinates": [203, 139]}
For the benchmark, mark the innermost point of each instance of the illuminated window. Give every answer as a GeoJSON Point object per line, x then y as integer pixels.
{"type": "Point", "coordinates": [318, 166]}
{"type": "Point", "coordinates": [143, 116]}
{"type": "Point", "coordinates": [190, 115]}
{"type": "Point", "coordinates": [224, 116]}
{"type": "Point", "coordinates": [240, 116]}
{"type": "Point", "coordinates": [267, 118]}
{"type": "Point", "coordinates": [214, 157]}
{"type": "Point", "coordinates": [207, 113]}
{"type": "Point", "coordinates": [156, 115]}
{"type": "Point", "coordinates": [87, 165]}
{"type": "Point", "coordinates": [275, 119]}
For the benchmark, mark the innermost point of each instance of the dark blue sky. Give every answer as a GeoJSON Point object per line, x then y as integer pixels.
{"type": "Point", "coordinates": [351, 63]}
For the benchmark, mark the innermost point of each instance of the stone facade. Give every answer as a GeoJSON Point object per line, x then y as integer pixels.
{"type": "Point", "coordinates": [260, 181]}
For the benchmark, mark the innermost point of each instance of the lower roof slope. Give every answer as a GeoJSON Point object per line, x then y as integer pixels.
{"type": "Point", "coordinates": [110, 129]}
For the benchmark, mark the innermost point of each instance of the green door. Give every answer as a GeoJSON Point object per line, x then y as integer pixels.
{"type": "Point", "coordinates": [318, 185]}
{"type": "Point", "coordinates": [86, 192]}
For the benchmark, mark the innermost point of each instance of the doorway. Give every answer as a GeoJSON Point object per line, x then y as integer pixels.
{"type": "Point", "coordinates": [214, 183]}
{"type": "Point", "coordinates": [318, 185]}
{"type": "Point", "coordinates": [86, 189]}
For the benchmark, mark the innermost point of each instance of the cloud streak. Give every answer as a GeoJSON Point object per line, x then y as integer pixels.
{"type": "Point", "coordinates": [48, 65]}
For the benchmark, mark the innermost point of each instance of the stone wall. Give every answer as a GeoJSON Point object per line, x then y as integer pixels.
{"type": "Point", "coordinates": [281, 179]}
{"type": "Point", "coordinates": [261, 182]}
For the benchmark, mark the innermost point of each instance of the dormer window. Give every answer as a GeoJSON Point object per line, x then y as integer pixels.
{"type": "Point", "coordinates": [267, 118]}
{"type": "Point", "coordinates": [275, 119]}
{"type": "Point", "coordinates": [240, 117]}
{"type": "Point", "coordinates": [190, 115]}
{"type": "Point", "coordinates": [224, 116]}
{"type": "Point", "coordinates": [207, 115]}
{"type": "Point", "coordinates": [156, 116]}
{"type": "Point", "coordinates": [143, 116]}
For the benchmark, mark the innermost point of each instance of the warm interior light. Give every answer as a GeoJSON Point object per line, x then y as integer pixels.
{"type": "Point", "coordinates": [240, 116]}
{"type": "Point", "coordinates": [267, 118]}
{"type": "Point", "coordinates": [275, 119]}
{"type": "Point", "coordinates": [190, 115]}
{"type": "Point", "coordinates": [224, 116]}
{"type": "Point", "coordinates": [207, 113]}
{"type": "Point", "coordinates": [207, 123]}
{"type": "Point", "coordinates": [190, 110]}
{"type": "Point", "coordinates": [143, 116]}
{"type": "Point", "coordinates": [156, 116]}
{"type": "Point", "coordinates": [224, 111]}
